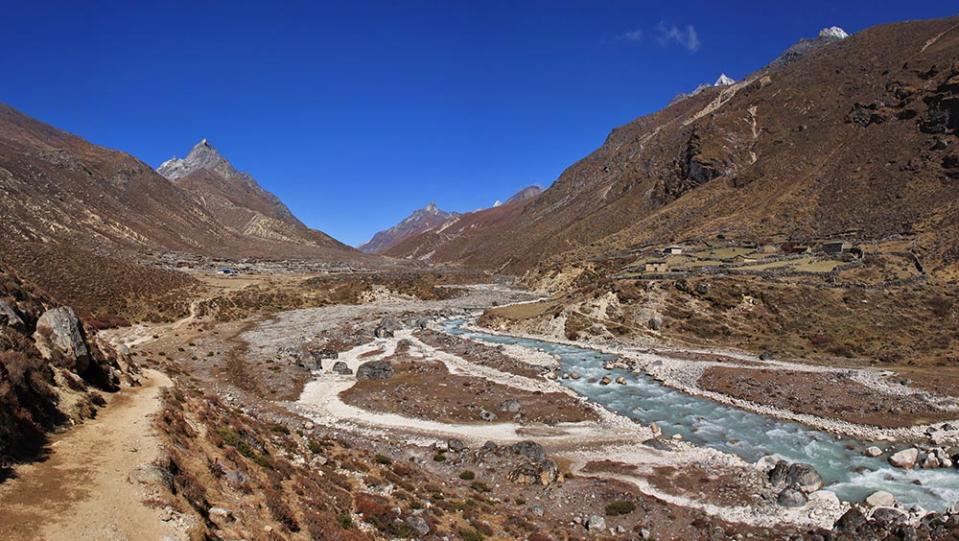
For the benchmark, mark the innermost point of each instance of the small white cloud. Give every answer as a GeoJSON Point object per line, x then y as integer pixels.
{"type": "Point", "coordinates": [685, 37]}
{"type": "Point", "coordinates": [632, 35]}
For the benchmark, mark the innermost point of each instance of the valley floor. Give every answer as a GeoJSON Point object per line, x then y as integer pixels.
{"type": "Point", "coordinates": [455, 438]}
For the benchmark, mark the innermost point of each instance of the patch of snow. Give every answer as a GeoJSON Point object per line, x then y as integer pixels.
{"type": "Point", "coordinates": [724, 80]}
{"type": "Point", "coordinates": [833, 32]}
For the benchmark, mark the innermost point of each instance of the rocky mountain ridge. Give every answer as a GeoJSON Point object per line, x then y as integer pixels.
{"type": "Point", "coordinates": [420, 221]}
{"type": "Point", "coordinates": [238, 201]}
{"type": "Point", "coordinates": [791, 151]}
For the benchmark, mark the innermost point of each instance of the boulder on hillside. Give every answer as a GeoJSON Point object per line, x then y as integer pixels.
{"type": "Point", "coordinates": [375, 370]}
{"type": "Point", "coordinates": [596, 523]}
{"type": "Point", "coordinates": [8, 316]}
{"type": "Point", "coordinates": [529, 449]}
{"type": "Point", "coordinates": [59, 330]}
{"type": "Point", "coordinates": [544, 473]}
{"type": "Point", "coordinates": [510, 406]}
{"type": "Point", "coordinates": [418, 524]}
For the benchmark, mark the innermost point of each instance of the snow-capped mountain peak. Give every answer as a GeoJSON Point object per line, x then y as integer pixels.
{"type": "Point", "coordinates": [201, 156]}
{"type": "Point", "coordinates": [833, 32]}
{"type": "Point", "coordinates": [724, 80]}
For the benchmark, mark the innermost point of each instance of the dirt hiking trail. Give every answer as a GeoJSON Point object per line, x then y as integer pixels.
{"type": "Point", "coordinates": [82, 489]}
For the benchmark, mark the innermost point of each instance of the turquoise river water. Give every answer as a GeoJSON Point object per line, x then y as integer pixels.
{"type": "Point", "coordinates": [840, 461]}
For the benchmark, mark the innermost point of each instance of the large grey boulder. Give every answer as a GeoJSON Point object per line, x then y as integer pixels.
{"type": "Point", "coordinates": [881, 498]}
{"type": "Point", "coordinates": [851, 521]}
{"type": "Point", "coordinates": [341, 368]}
{"type": "Point", "coordinates": [905, 459]}
{"type": "Point", "coordinates": [9, 316]}
{"type": "Point", "coordinates": [799, 475]}
{"type": "Point", "coordinates": [58, 330]}
{"type": "Point", "coordinates": [386, 328]}
{"type": "Point", "coordinates": [375, 370]}
{"type": "Point", "coordinates": [596, 523]}
{"type": "Point", "coordinates": [529, 449]}
{"type": "Point", "coordinates": [510, 406]}
{"type": "Point", "coordinates": [792, 497]}
{"type": "Point", "coordinates": [805, 477]}
{"type": "Point", "coordinates": [418, 524]}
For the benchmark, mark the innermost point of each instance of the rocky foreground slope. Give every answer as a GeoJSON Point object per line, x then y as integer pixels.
{"type": "Point", "coordinates": [51, 372]}
{"type": "Point", "coordinates": [852, 136]}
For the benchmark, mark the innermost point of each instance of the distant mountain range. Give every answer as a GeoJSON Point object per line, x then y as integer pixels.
{"type": "Point", "coordinates": [422, 220]}
{"type": "Point", "coordinates": [431, 219]}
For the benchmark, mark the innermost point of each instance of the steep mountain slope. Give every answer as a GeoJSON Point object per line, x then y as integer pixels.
{"type": "Point", "coordinates": [855, 135]}
{"type": "Point", "coordinates": [55, 186]}
{"type": "Point", "coordinates": [75, 216]}
{"type": "Point", "coordinates": [237, 201]}
{"type": "Point", "coordinates": [525, 194]}
{"type": "Point", "coordinates": [420, 221]}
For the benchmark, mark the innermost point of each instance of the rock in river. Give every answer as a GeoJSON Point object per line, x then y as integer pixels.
{"type": "Point", "coordinates": [905, 459]}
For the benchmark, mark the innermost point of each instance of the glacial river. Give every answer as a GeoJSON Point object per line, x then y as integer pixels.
{"type": "Point", "coordinates": [839, 460]}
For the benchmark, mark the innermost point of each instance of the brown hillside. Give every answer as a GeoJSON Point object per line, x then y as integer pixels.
{"type": "Point", "coordinates": [857, 136]}
{"type": "Point", "coordinates": [55, 186]}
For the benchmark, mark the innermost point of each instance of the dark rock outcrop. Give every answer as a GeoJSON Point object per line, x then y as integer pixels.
{"type": "Point", "coordinates": [375, 370]}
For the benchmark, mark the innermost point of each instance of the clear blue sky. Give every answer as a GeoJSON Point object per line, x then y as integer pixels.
{"type": "Point", "coordinates": [356, 113]}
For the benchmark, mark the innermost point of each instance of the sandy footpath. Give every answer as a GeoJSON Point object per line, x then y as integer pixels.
{"type": "Point", "coordinates": [82, 490]}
